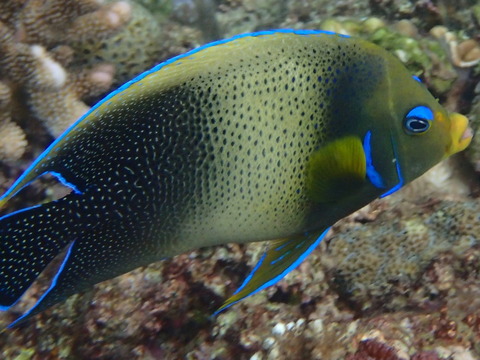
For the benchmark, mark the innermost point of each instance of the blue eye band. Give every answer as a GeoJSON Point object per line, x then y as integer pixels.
{"type": "Point", "coordinates": [420, 112]}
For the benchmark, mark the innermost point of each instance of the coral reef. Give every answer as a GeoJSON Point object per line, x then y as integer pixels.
{"type": "Point", "coordinates": [35, 55]}
{"type": "Point", "coordinates": [473, 152]}
{"type": "Point", "coordinates": [200, 13]}
{"type": "Point", "coordinates": [246, 16]}
{"type": "Point", "coordinates": [397, 279]}
{"type": "Point", "coordinates": [134, 48]}
{"type": "Point", "coordinates": [372, 349]}
{"type": "Point", "coordinates": [372, 261]}
{"type": "Point", "coordinates": [441, 59]}
{"type": "Point", "coordinates": [162, 311]}
{"type": "Point", "coordinates": [13, 147]}
{"type": "Point", "coordinates": [56, 57]}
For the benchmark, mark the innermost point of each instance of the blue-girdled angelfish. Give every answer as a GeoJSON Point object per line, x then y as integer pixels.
{"type": "Point", "coordinates": [272, 135]}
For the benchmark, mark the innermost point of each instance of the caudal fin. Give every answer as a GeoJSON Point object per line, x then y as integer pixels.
{"type": "Point", "coordinates": [29, 240]}
{"type": "Point", "coordinates": [99, 245]}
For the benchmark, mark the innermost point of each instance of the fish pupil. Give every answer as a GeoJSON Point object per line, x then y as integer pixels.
{"type": "Point", "coordinates": [416, 125]}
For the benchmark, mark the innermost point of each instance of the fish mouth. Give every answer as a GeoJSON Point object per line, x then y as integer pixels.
{"type": "Point", "coordinates": [460, 132]}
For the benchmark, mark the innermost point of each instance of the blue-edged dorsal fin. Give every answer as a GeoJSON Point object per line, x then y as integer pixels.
{"type": "Point", "coordinates": [282, 256]}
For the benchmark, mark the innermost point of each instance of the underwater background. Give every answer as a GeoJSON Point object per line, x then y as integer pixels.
{"type": "Point", "coordinates": [398, 279]}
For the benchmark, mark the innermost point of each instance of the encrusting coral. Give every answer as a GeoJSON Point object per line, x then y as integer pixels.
{"type": "Point", "coordinates": [36, 60]}
{"type": "Point", "coordinates": [385, 257]}
{"type": "Point", "coordinates": [137, 46]}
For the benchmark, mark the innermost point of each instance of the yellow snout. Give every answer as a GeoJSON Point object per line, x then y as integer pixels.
{"type": "Point", "coordinates": [460, 132]}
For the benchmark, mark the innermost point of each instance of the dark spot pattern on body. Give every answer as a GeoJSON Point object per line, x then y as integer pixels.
{"type": "Point", "coordinates": [211, 147]}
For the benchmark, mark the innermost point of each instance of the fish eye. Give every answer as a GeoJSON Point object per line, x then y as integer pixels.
{"type": "Point", "coordinates": [418, 120]}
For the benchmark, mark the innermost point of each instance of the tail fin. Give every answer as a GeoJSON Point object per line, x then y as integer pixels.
{"type": "Point", "coordinates": [29, 240]}
{"type": "Point", "coordinates": [99, 245]}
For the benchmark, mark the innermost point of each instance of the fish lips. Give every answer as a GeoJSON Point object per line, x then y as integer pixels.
{"type": "Point", "coordinates": [461, 134]}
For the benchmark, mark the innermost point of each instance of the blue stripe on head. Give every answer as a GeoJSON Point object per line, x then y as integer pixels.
{"type": "Point", "coordinates": [372, 174]}
{"type": "Point", "coordinates": [283, 245]}
{"type": "Point", "coordinates": [19, 211]}
{"type": "Point", "coordinates": [273, 262]}
{"type": "Point", "coordinates": [52, 285]}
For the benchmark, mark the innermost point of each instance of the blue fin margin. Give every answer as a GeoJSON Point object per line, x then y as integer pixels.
{"type": "Point", "coordinates": [50, 288]}
{"type": "Point", "coordinates": [275, 279]}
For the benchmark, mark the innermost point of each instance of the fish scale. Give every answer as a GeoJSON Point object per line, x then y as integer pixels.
{"type": "Point", "coordinates": [266, 136]}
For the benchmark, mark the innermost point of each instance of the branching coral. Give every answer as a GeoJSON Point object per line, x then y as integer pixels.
{"type": "Point", "coordinates": [39, 80]}
{"type": "Point", "coordinates": [136, 47]}
{"type": "Point", "coordinates": [463, 54]}
{"type": "Point", "coordinates": [13, 148]}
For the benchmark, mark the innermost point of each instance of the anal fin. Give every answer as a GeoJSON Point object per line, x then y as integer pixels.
{"type": "Point", "coordinates": [282, 256]}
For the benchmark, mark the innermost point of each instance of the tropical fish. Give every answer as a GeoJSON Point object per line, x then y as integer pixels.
{"type": "Point", "coordinates": [273, 135]}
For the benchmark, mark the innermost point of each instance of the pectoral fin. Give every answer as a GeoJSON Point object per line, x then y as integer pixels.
{"type": "Point", "coordinates": [336, 170]}
{"type": "Point", "coordinates": [282, 256]}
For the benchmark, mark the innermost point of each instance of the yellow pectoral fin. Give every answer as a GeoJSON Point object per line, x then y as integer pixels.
{"type": "Point", "coordinates": [282, 256]}
{"type": "Point", "coordinates": [336, 170]}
